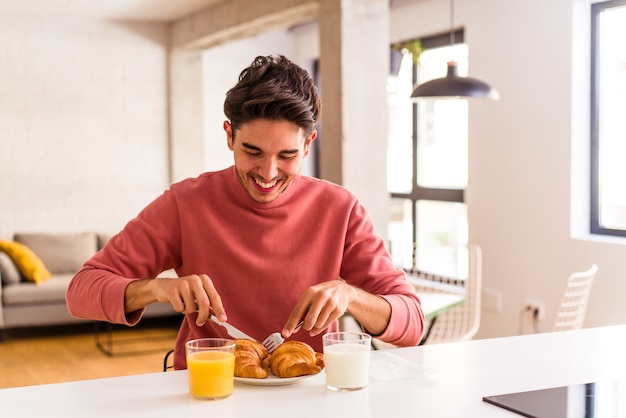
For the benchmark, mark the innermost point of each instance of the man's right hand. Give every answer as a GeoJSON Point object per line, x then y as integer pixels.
{"type": "Point", "coordinates": [188, 294]}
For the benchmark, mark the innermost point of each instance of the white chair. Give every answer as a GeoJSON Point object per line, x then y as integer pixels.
{"type": "Point", "coordinates": [571, 313]}
{"type": "Point", "coordinates": [462, 322]}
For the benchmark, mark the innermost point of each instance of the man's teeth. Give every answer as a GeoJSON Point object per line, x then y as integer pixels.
{"type": "Point", "coordinates": [265, 185]}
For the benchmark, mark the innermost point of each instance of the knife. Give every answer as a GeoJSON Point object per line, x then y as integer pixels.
{"type": "Point", "coordinates": [232, 331]}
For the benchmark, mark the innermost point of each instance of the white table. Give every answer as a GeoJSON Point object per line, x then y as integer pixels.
{"type": "Point", "coordinates": [462, 374]}
{"type": "Point", "coordinates": [435, 303]}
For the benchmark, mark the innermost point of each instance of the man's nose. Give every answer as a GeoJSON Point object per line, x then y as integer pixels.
{"type": "Point", "coordinates": [269, 168]}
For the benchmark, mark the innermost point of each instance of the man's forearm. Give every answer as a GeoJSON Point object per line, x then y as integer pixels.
{"type": "Point", "coordinates": [372, 311]}
{"type": "Point", "coordinates": [138, 295]}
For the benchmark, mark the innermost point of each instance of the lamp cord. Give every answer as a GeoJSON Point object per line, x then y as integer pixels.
{"type": "Point", "coordinates": [452, 40]}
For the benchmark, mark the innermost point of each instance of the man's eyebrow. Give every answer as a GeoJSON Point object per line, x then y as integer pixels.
{"type": "Point", "coordinates": [250, 146]}
{"type": "Point", "coordinates": [255, 148]}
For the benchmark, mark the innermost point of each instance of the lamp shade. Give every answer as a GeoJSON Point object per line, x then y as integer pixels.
{"type": "Point", "coordinates": [453, 87]}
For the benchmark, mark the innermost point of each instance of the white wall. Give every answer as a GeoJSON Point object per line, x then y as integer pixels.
{"type": "Point", "coordinates": [83, 128]}
{"type": "Point", "coordinates": [524, 172]}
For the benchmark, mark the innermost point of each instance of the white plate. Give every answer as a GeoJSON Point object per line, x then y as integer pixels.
{"type": "Point", "coordinates": [272, 380]}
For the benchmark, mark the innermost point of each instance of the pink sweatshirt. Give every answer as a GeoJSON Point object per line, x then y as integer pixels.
{"type": "Point", "coordinates": [261, 257]}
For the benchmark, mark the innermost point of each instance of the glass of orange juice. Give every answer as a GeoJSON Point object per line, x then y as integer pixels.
{"type": "Point", "coordinates": [211, 367]}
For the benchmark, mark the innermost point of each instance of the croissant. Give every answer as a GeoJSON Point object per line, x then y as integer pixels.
{"type": "Point", "coordinates": [251, 359]}
{"type": "Point", "coordinates": [295, 358]}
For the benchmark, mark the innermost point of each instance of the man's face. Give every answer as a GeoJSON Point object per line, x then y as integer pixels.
{"type": "Point", "coordinates": [268, 155]}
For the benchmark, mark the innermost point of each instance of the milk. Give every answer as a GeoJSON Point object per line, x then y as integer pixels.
{"type": "Point", "coordinates": [347, 366]}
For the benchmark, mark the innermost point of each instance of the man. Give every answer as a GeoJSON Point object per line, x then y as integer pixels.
{"type": "Point", "coordinates": [256, 244]}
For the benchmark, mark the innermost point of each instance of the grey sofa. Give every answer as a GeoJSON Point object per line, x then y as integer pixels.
{"type": "Point", "coordinates": [26, 304]}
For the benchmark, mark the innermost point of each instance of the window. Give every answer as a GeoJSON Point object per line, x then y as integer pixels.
{"type": "Point", "coordinates": [427, 162]}
{"type": "Point", "coordinates": [608, 124]}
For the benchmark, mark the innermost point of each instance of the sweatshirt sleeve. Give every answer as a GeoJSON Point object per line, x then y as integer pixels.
{"type": "Point", "coordinates": [143, 249]}
{"type": "Point", "coordinates": [406, 325]}
{"type": "Point", "coordinates": [367, 264]}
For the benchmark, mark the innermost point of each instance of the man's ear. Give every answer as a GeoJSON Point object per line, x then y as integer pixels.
{"type": "Point", "coordinates": [309, 141]}
{"type": "Point", "coordinates": [228, 128]}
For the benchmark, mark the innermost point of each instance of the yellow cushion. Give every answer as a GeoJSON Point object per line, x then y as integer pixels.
{"type": "Point", "coordinates": [27, 262]}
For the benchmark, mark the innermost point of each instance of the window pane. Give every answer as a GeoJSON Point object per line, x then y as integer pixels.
{"type": "Point", "coordinates": [400, 232]}
{"type": "Point", "coordinates": [400, 143]}
{"type": "Point", "coordinates": [442, 125]}
{"type": "Point", "coordinates": [441, 228]}
{"type": "Point", "coordinates": [612, 124]}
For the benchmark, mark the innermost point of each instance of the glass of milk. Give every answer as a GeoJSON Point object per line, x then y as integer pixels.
{"type": "Point", "coordinates": [347, 360]}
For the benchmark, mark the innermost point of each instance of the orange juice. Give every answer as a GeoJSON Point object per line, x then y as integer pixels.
{"type": "Point", "coordinates": [211, 374]}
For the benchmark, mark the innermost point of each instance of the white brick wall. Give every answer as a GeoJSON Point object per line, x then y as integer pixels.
{"type": "Point", "coordinates": [83, 123]}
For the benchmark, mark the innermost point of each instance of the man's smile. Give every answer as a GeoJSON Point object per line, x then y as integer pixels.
{"type": "Point", "coordinates": [263, 185]}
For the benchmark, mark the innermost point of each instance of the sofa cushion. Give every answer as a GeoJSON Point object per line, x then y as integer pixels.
{"type": "Point", "coordinates": [103, 239]}
{"type": "Point", "coordinates": [27, 262]}
{"type": "Point", "coordinates": [52, 291]}
{"type": "Point", "coordinates": [61, 253]}
{"type": "Point", "coordinates": [8, 270]}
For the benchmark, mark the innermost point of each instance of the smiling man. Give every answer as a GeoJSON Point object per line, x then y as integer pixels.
{"type": "Point", "coordinates": [256, 244]}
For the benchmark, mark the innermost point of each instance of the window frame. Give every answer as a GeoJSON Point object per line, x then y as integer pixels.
{"type": "Point", "coordinates": [595, 226]}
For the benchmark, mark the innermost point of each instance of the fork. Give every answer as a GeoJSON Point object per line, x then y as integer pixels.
{"type": "Point", "coordinates": [275, 339]}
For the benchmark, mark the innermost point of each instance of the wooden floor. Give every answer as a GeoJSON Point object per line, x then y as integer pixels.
{"type": "Point", "coordinates": [67, 353]}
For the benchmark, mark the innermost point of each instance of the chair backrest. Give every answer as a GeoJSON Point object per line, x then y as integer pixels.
{"type": "Point", "coordinates": [571, 313]}
{"type": "Point", "coordinates": [462, 322]}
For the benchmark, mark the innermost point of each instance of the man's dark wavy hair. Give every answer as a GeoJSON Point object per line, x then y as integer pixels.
{"type": "Point", "coordinates": [274, 88]}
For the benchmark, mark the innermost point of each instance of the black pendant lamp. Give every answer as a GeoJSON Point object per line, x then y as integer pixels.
{"type": "Point", "coordinates": [452, 86]}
